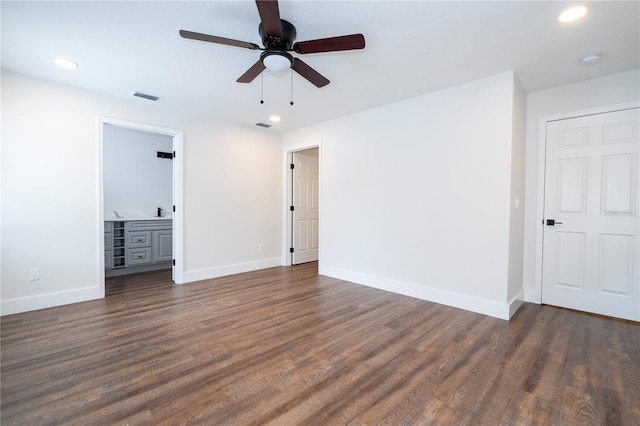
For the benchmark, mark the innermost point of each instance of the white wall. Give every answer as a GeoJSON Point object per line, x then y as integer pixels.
{"type": "Point", "coordinates": [136, 180]}
{"type": "Point", "coordinates": [600, 92]}
{"type": "Point", "coordinates": [426, 183]}
{"type": "Point", "coordinates": [233, 192]}
{"type": "Point", "coordinates": [50, 191]}
{"type": "Point", "coordinates": [416, 195]}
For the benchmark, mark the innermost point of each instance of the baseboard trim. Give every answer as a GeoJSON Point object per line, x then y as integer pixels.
{"type": "Point", "coordinates": [50, 300]}
{"type": "Point", "coordinates": [221, 271]}
{"type": "Point", "coordinates": [516, 302]}
{"type": "Point", "coordinates": [448, 298]}
{"type": "Point", "coordinates": [456, 300]}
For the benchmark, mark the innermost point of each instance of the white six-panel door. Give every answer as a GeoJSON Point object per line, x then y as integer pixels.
{"type": "Point", "coordinates": [306, 208]}
{"type": "Point", "coordinates": [591, 253]}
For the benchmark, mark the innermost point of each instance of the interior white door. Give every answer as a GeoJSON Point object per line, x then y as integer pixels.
{"type": "Point", "coordinates": [591, 252]}
{"type": "Point", "coordinates": [306, 210]}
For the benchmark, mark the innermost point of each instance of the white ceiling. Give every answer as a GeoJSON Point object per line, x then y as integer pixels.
{"type": "Point", "coordinates": [412, 47]}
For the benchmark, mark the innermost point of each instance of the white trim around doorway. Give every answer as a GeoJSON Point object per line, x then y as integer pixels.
{"type": "Point", "coordinates": [286, 218]}
{"type": "Point", "coordinates": [178, 182]}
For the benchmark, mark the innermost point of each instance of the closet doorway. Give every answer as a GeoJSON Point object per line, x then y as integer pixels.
{"type": "Point", "coordinates": [305, 206]}
{"type": "Point", "coordinates": [590, 224]}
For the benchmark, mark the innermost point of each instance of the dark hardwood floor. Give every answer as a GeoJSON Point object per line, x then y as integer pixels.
{"type": "Point", "coordinates": [285, 346]}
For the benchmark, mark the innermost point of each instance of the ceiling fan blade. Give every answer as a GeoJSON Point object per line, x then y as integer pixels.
{"type": "Point", "coordinates": [309, 73]}
{"type": "Point", "coordinates": [270, 17]}
{"type": "Point", "coordinates": [252, 73]}
{"type": "Point", "coordinates": [331, 44]}
{"type": "Point", "coordinates": [219, 40]}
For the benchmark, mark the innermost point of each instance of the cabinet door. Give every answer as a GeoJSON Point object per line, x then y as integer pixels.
{"type": "Point", "coordinates": [108, 245]}
{"type": "Point", "coordinates": [108, 259]}
{"type": "Point", "coordinates": [162, 245]}
{"type": "Point", "coordinates": [108, 241]}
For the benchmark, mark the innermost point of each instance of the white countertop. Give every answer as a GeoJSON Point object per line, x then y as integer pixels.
{"type": "Point", "coordinates": [122, 216]}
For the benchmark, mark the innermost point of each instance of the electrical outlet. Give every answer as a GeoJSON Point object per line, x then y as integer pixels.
{"type": "Point", "coordinates": [260, 247]}
{"type": "Point", "coordinates": [34, 274]}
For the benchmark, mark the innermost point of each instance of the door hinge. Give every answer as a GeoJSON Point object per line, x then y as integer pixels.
{"type": "Point", "coordinates": [293, 166]}
{"type": "Point", "coordinates": [173, 262]}
{"type": "Point", "coordinates": [174, 208]}
{"type": "Point", "coordinates": [292, 208]}
{"type": "Point", "coordinates": [291, 250]}
{"type": "Point", "coordinates": [174, 154]}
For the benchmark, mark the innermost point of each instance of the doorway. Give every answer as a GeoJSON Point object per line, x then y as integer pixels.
{"type": "Point", "coordinates": [590, 249]}
{"type": "Point", "coordinates": [304, 206]}
{"type": "Point", "coordinates": [154, 245]}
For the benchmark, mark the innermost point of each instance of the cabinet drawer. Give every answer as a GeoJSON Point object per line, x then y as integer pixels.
{"type": "Point", "coordinates": [138, 256]}
{"type": "Point", "coordinates": [139, 239]}
{"type": "Point", "coordinates": [108, 226]}
{"type": "Point", "coordinates": [144, 225]}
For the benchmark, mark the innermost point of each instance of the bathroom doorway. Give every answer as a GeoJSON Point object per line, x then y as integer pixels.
{"type": "Point", "coordinates": [141, 198]}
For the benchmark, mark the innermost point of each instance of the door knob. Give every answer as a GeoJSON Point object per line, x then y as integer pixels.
{"type": "Point", "coordinates": [552, 222]}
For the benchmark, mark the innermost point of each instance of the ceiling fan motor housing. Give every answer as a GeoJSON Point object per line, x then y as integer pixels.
{"type": "Point", "coordinates": [279, 43]}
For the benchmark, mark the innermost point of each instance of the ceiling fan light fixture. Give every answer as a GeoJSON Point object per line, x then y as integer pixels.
{"type": "Point", "coordinates": [277, 60]}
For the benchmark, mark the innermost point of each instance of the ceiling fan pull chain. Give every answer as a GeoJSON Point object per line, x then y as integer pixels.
{"type": "Point", "coordinates": [261, 88]}
{"type": "Point", "coordinates": [291, 103]}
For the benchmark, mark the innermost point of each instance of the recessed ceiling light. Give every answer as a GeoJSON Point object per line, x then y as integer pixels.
{"type": "Point", "coordinates": [573, 13]}
{"type": "Point", "coordinates": [65, 63]}
{"type": "Point", "coordinates": [275, 118]}
{"type": "Point", "coordinates": [590, 59]}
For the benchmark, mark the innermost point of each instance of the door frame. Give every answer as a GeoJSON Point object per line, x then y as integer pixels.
{"type": "Point", "coordinates": [288, 188]}
{"type": "Point", "coordinates": [178, 184]}
{"type": "Point", "coordinates": [542, 157]}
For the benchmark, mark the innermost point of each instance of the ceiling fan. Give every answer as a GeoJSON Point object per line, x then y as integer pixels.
{"type": "Point", "coordinates": [278, 38]}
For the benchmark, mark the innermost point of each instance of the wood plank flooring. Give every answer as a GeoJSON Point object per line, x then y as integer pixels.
{"type": "Point", "coordinates": [285, 346]}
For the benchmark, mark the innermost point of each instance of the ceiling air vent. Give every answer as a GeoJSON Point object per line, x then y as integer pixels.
{"type": "Point", "coordinates": [145, 96]}
{"type": "Point", "coordinates": [263, 125]}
